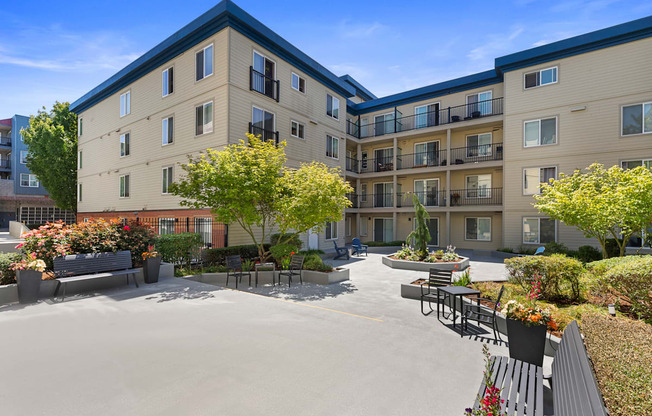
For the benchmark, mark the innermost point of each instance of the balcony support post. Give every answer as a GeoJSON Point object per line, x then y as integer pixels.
{"type": "Point", "coordinates": [395, 179]}
{"type": "Point", "coordinates": [448, 228]}
{"type": "Point", "coordinates": [357, 225]}
{"type": "Point", "coordinates": [358, 133]}
{"type": "Point", "coordinates": [395, 120]}
{"type": "Point", "coordinates": [394, 226]}
{"type": "Point", "coordinates": [448, 171]}
{"type": "Point", "coordinates": [358, 156]}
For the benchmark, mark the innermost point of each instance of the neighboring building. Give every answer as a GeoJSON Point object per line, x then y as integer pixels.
{"type": "Point", "coordinates": [474, 149]}
{"type": "Point", "coordinates": [22, 197]}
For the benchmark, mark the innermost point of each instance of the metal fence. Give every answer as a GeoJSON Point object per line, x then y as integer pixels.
{"type": "Point", "coordinates": [213, 233]}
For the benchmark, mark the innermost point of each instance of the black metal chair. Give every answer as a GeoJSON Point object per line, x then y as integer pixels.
{"type": "Point", "coordinates": [296, 266]}
{"type": "Point", "coordinates": [429, 292]}
{"type": "Point", "coordinates": [340, 251]}
{"type": "Point", "coordinates": [481, 314]}
{"type": "Point", "coordinates": [234, 268]}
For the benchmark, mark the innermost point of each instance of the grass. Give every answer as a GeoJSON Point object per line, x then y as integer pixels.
{"type": "Point", "coordinates": [621, 352]}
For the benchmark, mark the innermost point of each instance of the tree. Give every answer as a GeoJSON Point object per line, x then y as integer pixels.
{"type": "Point", "coordinates": [51, 140]}
{"type": "Point", "coordinates": [421, 234]}
{"type": "Point", "coordinates": [602, 203]}
{"type": "Point", "coordinates": [248, 184]}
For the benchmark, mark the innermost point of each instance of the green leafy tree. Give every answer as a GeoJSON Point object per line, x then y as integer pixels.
{"type": "Point", "coordinates": [51, 140]}
{"type": "Point", "coordinates": [602, 203]}
{"type": "Point", "coordinates": [421, 234]}
{"type": "Point", "coordinates": [249, 185]}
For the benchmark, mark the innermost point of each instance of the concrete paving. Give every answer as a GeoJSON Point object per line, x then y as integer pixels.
{"type": "Point", "coordinates": [181, 347]}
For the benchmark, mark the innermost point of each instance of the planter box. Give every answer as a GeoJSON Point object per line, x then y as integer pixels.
{"type": "Point", "coordinates": [322, 278]}
{"type": "Point", "coordinates": [265, 277]}
{"type": "Point", "coordinates": [421, 266]}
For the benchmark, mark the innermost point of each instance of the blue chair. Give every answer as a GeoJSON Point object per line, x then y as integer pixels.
{"type": "Point", "coordinates": [539, 251]}
{"type": "Point", "coordinates": [359, 248]}
{"type": "Point", "coordinates": [340, 251]}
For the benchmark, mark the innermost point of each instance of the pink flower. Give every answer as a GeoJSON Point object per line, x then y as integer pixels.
{"type": "Point", "coordinates": [20, 245]}
{"type": "Point", "coordinates": [127, 228]}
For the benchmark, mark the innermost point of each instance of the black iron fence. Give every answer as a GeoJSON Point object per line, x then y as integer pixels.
{"type": "Point", "coordinates": [385, 200]}
{"type": "Point", "coordinates": [427, 199]}
{"type": "Point", "coordinates": [422, 160]}
{"type": "Point", "coordinates": [213, 233]}
{"type": "Point", "coordinates": [399, 122]}
{"type": "Point", "coordinates": [264, 84]}
{"type": "Point", "coordinates": [481, 196]}
{"type": "Point", "coordinates": [474, 154]}
{"type": "Point", "coordinates": [378, 164]}
{"type": "Point", "coordinates": [351, 164]}
{"type": "Point", "coordinates": [266, 135]}
{"type": "Point", "coordinates": [354, 200]}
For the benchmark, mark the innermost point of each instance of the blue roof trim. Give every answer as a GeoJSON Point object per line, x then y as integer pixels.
{"type": "Point", "coordinates": [603, 38]}
{"type": "Point", "coordinates": [360, 89]}
{"type": "Point", "coordinates": [468, 82]}
{"type": "Point", "coordinates": [224, 14]}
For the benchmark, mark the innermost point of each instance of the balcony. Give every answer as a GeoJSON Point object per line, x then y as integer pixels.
{"type": "Point", "coordinates": [475, 154]}
{"type": "Point", "coordinates": [449, 115]}
{"type": "Point", "coordinates": [379, 164]}
{"type": "Point", "coordinates": [427, 199]}
{"type": "Point", "coordinates": [351, 165]}
{"type": "Point", "coordinates": [266, 135]}
{"type": "Point", "coordinates": [354, 200]}
{"type": "Point", "coordinates": [5, 141]}
{"type": "Point", "coordinates": [263, 84]}
{"type": "Point", "coordinates": [5, 163]}
{"type": "Point", "coordinates": [385, 200]}
{"type": "Point", "coordinates": [430, 199]}
{"type": "Point", "coordinates": [422, 160]}
{"type": "Point", "coordinates": [483, 196]}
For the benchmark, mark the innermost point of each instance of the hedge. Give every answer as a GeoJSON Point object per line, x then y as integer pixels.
{"type": "Point", "coordinates": [621, 353]}
{"type": "Point", "coordinates": [180, 248]}
{"type": "Point", "coordinates": [281, 251]}
{"type": "Point", "coordinates": [314, 262]}
{"type": "Point", "coordinates": [7, 275]}
{"type": "Point", "coordinates": [559, 275]}
{"type": "Point", "coordinates": [633, 279]}
{"type": "Point", "coordinates": [217, 256]}
{"type": "Point", "coordinates": [385, 243]}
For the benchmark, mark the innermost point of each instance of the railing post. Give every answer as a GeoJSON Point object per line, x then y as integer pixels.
{"type": "Point", "coordinates": [251, 78]}
{"type": "Point", "coordinates": [449, 115]}
{"type": "Point", "coordinates": [395, 120]}
{"type": "Point", "coordinates": [359, 127]}
{"type": "Point", "coordinates": [278, 90]}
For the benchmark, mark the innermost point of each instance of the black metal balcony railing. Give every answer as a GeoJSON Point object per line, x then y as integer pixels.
{"type": "Point", "coordinates": [354, 200]}
{"type": "Point", "coordinates": [385, 200]}
{"type": "Point", "coordinates": [351, 165]}
{"type": "Point", "coordinates": [482, 196]}
{"type": "Point", "coordinates": [473, 154]}
{"type": "Point", "coordinates": [5, 140]}
{"type": "Point", "coordinates": [378, 164]}
{"type": "Point", "coordinates": [264, 84]}
{"type": "Point", "coordinates": [423, 120]}
{"type": "Point", "coordinates": [427, 199]}
{"type": "Point", "coordinates": [422, 160]}
{"type": "Point", "coordinates": [266, 135]}
{"type": "Point", "coordinates": [5, 164]}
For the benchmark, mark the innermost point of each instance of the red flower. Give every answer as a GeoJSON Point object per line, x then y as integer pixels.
{"type": "Point", "coordinates": [292, 253]}
{"type": "Point", "coordinates": [127, 228]}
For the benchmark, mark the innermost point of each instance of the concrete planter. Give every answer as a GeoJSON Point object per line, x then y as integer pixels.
{"type": "Point", "coordinates": [322, 278]}
{"type": "Point", "coordinates": [421, 266]}
{"type": "Point", "coordinates": [267, 277]}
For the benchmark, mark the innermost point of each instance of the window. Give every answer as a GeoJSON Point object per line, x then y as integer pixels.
{"type": "Point", "coordinates": [298, 83]}
{"type": "Point", "coordinates": [331, 230]}
{"type": "Point", "coordinates": [167, 179]}
{"type": "Point", "coordinates": [433, 229]}
{"type": "Point", "coordinates": [478, 229]}
{"type": "Point", "coordinates": [534, 177]}
{"type": "Point", "coordinates": [204, 63]}
{"type": "Point", "coordinates": [125, 104]}
{"type": "Point", "coordinates": [478, 186]}
{"type": "Point", "coordinates": [332, 147]}
{"type": "Point", "coordinates": [426, 154]}
{"type": "Point", "coordinates": [124, 186]}
{"type": "Point", "coordinates": [478, 145]}
{"type": "Point", "coordinates": [124, 144]}
{"type": "Point", "coordinates": [332, 107]}
{"type": "Point", "coordinates": [631, 164]}
{"type": "Point", "coordinates": [166, 225]}
{"type": "Point", "coordinates": [204, 227]}
{"type": "Point", "coordinates": [363, 192]}
{"type": "Point", "coordinates": [297, 129]}
{"type": "Point", "coordinates": [348, 226]}
{"type": "Point", "coordinates": [540, 132]}
{"type": "Point", "coordinates": [168, 81]}
{"type": "Point", "coordinates": [426, 115]}
{"type": "Point", "coordinates": [264, 76]}
{"type": "Point", "coordinates": [79, 193]}
{"type": "Point", "coordinates": [383, 195]}
{"type": "Point", "coordinates": [383, 229]}
{"type": "Point", "coordinates": [263, 124]}
{"type": "Point", "coordinates": [637, 119]}
{"type": "Point", "coordinates": [80, 126]}
{"type": "Point", "coordinates": [28, 180]}
{"type": "Point", "coordinates": [168, 131]}
{"type": "Point", "coordinates": [640, 239]}
{"type": "Point", "coordinates": [427, 190]}
{"type": "Point", "coordinates": [23, 156]}
{"type": "Point", "coordinates": [363, 226]}
{"type": "Point", "coordinates": [79, 160]}
{"type": "Point", "coordinates": [541, 77]}
{"type": "Point", "coordinates": [539, 231]}
{"type": "Point", "coordinates": [384, 124]}
{"type": "Point", "coordinates": [479, 104]}
{"type": "Point", "coordinates": [204, 119]}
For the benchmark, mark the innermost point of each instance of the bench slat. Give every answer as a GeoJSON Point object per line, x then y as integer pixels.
{"type": "Point", "coordinates": [96, 275]}
{"type": "Point", "coordinates": [90, 263]}
{"type": "Point", "coordinates": [538, 407]}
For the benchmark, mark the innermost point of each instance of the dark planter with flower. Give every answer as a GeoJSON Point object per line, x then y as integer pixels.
{"type": "Point", "coordinates": [29, 274]}
{"type": "Point", "coordinates": [151, 266]}
{"type": "Point", "coordinates": [527, 326]}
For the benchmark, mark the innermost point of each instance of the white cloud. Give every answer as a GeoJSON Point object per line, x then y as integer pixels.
{"type": "Point", "coordinates": [350, 30]}
{"type": "Point", "coordinates": [497, 44]}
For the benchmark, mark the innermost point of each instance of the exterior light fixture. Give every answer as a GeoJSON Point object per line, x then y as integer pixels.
{"type": "Point", "coordinates": [612, 309]}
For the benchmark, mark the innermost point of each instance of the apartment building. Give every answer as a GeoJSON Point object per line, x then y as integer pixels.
{"type": "Point", "coordinates": [22, 197]}
{"type": "Point", "coordinates": [474, 149]}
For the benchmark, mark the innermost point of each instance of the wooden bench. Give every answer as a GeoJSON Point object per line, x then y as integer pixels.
{"type": "Point", "coordinates": [574, 389]}
{"type": "Point", "coordinates": [79, 267]}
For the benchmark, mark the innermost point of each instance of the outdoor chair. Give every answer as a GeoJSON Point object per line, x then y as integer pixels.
{"type": "Point", "coordinates": [539, 251]}
{"type": "Point", "coordinates": [429, 293]}
{"type": "Point", "coordinates": [482, 315]}
{"type": "Point", "coordinates": [340, 251]}
{"type": "Point", "coordinates": [358, 247]}
{"type": "Point", "coordinates": [296, 266]}
{"type": "Point", "coordinates": [234, 268]}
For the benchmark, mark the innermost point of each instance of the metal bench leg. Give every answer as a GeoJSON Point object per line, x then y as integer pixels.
{"type": "Point", "coordinates": [64, 292]}
{"type": "Point", "coordinates": [135, 279]}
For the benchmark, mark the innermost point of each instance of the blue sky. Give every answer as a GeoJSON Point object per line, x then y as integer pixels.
{"type": "Point", "coordinates": [50, 52]}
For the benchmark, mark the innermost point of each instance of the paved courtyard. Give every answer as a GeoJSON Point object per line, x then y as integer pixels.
{"type": "Point", "coordinates": [181, 347]}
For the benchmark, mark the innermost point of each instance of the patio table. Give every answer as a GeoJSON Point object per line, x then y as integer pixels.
{"type": "Point", "coordinates": [453, 292]}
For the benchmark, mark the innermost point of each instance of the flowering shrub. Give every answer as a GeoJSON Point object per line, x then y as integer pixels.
{"type": "Point", "coordinates": [150, 253]}
{"type": "Point", "coordinates": [408, 253]}
{"type": "Point", "coordinates": [30, 263]}
{"type": "Point", "coordinates": [530, 315]}
{"type": "Point", "coordinates": [491, 402]}
{"type": "Point", "coordinates": [7, 273]}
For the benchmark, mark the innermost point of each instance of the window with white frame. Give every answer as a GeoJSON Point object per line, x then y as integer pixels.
{"type": "Point", "coordinates": [478, 228]}
{"type": "Point", "coordinates": [540, 77]}
{"type": "Point", "coordinates": [80, 126]}
{"type": "Point", "coordinates": [168, 81]}
{"type": "Point", "coordinates": [641, 239]}
{"type": "Point", "coordinates": [331, 230]}
{"type": "Point", "coordinates": [332, 147]}
{"type": "Point", "coordinates": [540, 132]}
{"type": "Point", "coordinates": [168, 130]}
{"type": "Point", "coordinates": [124, 144]}
{"type": "Point", "coordinates": [534, 177]}
{"type": "Point", "coordinates": [166, 226]}
{"type": "Point", "coordinates": [478, 145]}
{"type": "Point", "coordinates": [478, 186]}
{"type": "Point", "coordinates": [332, 107]}
{"type": "Point", "coordinates": [23, 156]}
{"type": "Point", "coordinates": [479, 104]}
{"type": "Point", "coordinates": [297, 129]}
{"type": "Point", "coordinates": [124, 186]}
{"type": "Point", "coordinates": [363, 226]}
{"type": "Point", "coordinates": [348, 226]}
{"type": "Point", "coordinates": [204, 118]}
{"type": "Point", "coordinates": [125, 103]}
{"type": "Point", "coordinates": [637, 119]}
{"type": "Point", "coordinates": [426, 115]}
{"type": "Point", "coordinates": [631, 164]}
{"type": "Point", "coordinates": [298, 83]}
{"type": "Point", "coordinates": [204, 63]}
{"type": "Point", "coordinates": [79, 192]}
{"type": "Point", "coordinates": [167, 179]}
{"type": "Point", "coordinates": [28, 180]}
{"type": "Point", "coordinates": [80, 160]}
{"type": "Point", "coordinates": [539, 230]}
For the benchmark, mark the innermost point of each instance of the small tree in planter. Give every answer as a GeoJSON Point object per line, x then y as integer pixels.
{"type": "Point", "coordinates": [421, 234]}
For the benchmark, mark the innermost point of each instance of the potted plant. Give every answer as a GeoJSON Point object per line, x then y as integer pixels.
{"type": "Point", "coordinates": [29, 274]}
{"type": "Point", "coordinates": [527, 325]}
{"type": "Point", "coordinates": [151, 265]}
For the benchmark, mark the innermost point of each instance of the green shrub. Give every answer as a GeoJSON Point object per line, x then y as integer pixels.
{"type": "Point", "coordinates": [287, 238]}
{"type": "Point", "coordinates": [7, 275]}
{"type": "Point", "coordinates": [282, 251]}
{"type": "Point", "coordinates": [612, 248]}
{"type": "Point", "coordinates": [217, 256]}
{"type": "Point", "coordinates": [555, 248]}
{"type": "Point", "coordinates": [527, 250]}
{"type": "Point", "coordinates": [179, 249]}
{"type": "Point", "coordinates": [314, 262]}
{"type": "Point", "coordinates": [506, 250]}
{"type": "Point", "coordinates": [633, 279]}
{"type": "Point", "coordinates": [559, 275]}
{"type": "Point", "coordinates": [588, 254]}
{"type": "Point", "coordinates": [385, 243]}
{"type": "Point", "coordinates": [601, 267]}
{"type": "Point", "coordinates": [308, 252]}
{"type": "Point", "coordinates": [621, 353]}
